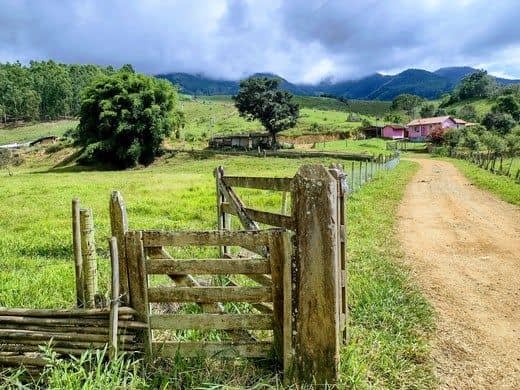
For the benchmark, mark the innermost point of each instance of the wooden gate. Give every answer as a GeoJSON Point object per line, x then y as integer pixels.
{"type": "Point", "coordinates": [319, 268]}
{"type": "Point", "coordinates": [146, 255]}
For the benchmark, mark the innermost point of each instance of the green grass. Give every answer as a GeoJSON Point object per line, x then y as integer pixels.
{"type": "Point", "coordinates": [502, 186]}
{"type": "Point", "coordinates": [388, 317]}
{"type": "Point", "coordinates": [29, 133]}
{"type": "Point", "coordinates": [374, 146]}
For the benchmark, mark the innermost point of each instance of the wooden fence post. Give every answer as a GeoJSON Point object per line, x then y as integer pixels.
{"type": "Point", "coordinates": [88, 251]}
{"type": "Point", "coordinates": [138, 286]}
{"type": "Point", "coordinates": [78, 259]}
{"type": "Point", "coordinates": [315, 296]}
{"type": "Point", "coordinates": [114, 301]}
{"type": "Point", "coordinates": [352, 178]}
{"type": "Point", "coordinates": [119, 227]}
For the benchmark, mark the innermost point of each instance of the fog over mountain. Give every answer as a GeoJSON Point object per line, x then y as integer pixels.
{"type": "Point", "coordinates": [420, 82]}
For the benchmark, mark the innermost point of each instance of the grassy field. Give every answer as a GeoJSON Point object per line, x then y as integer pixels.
{"type": "Point", "coordinates": [502, 186]}
{"type": "Point", "coordinates": [374, 146]}
{"type": "Point", "coordinates": [29, 133]}
{"type": "Point", "coordinates": [388, 317]}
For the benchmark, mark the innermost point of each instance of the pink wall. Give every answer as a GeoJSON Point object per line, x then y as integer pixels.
{"type": "Point", "coordinates": [390, 132]}
{"type": "Point", "coordinates": [424, 130]}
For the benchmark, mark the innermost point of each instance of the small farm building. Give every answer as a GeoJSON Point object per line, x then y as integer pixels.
{"type": "Point", "coordinates": [241, 141]}
{"type": "Point", "coordinates": [421, 128]}
{"type": "Point", "coordinates": [393, 132]}
{"type": "Point", "coordinates": [371, 131]}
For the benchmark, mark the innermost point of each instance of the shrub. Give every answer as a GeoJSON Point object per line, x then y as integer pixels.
{"type": "Point", "coordinates": [125, 117]}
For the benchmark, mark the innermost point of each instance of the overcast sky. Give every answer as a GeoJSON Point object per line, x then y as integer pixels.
{"type": "Point", "coordinates": [303, 41]}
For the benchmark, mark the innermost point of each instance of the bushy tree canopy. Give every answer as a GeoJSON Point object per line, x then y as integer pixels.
{"type": "Point", "coordinates": [407, 102]}
{"type": "Point", "coordinates": [499, 122]}
{"type": "Point", "coordinates": [427, 110]}
{"type": "Point", "coordinates": [477, 85]}
{"type": "Point", "coordinates": [260, 98]}
{"type": "Point", "coordinates": [125, 117]}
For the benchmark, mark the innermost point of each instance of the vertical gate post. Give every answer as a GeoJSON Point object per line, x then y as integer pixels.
{"type": "Point", "coordinates": [119, 227]}
{"type": "Point", "coordinates": [316, 304]}
{"type": "Point", "coordinates": [223, 219]}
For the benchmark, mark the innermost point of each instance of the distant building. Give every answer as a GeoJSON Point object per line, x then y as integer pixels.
{"type": "Point", "coordinates": [393, 132]}
{"type": "Point", "coordinates": [241, 141]}
{"type": "Point", "coordinates": [371, 131]}
{"type": "Point", "coordinates": [421, 128]}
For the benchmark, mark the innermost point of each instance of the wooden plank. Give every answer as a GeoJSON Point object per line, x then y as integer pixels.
{"type": "Point", "coordinates": [127, 346]}
{"type": "Point", "coordinates": [273, 219]}
{"type": "Point", "coordinates": [222, 350]}
{"type": "Point", "coordinates": [78, 259]}
{"type": "Point", "coordinates": [114, 303]}
{"type": "Point", "coordinates": [208, 266]}
{"type": "Point", "coordinates": [237, 205]}
{"type": "Point", "coordinates": [206, 238]}
{"type": "Point", "coordinates": [209, 294]}
{"type": "Point", "coordinates": [211, 321]}
{"type": "Point", "coordinates": [317, 334]}
{"type": "Point", "coordinates": [287, 307]}
{"type": "Point", "coordinates": [138, 285]}
{"type": "Point", "coordinates": [260, 183]}
{"type": "Point", "coordinates": [81, 313]}
{"type": "Point", "coordinates": [276, 257]}
{"type": "Point", "coordinates": [77, 323]}
{"type": "Point", "coordinates": [119, 227]}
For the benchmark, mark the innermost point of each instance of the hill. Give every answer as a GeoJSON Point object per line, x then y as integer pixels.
{"type": "Point", "coordinates": [420, 82]}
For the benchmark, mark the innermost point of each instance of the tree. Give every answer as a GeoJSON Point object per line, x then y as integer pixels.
{"type": "Point", "coordinates": [406, 102]}
{"type": "Point", "coordinates": [477, 85]}
{"type": "Point", "coordinates": [468, 113]}
{"type": "Point", "coordinates": [498, 122]}
{"type": "Point", "coordinates": [261, 99]}
{"type": "Point", "coordinates": [437, 135]}
{"type": "Point", "coordinates": [508, 104]}
{"type": "Point", "coordinates": [427, 110]}
{"type": "Point", "coordinates": [124, 118]}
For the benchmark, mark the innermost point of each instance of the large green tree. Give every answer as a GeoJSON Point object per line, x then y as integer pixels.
{"type": "Point", "coordinates": [260, 98]}
{"type": "Point", "coordinates": [125, 117]}
{"type": "Point", "coordinates": [477, 85]}
{"type": "Point", "coordinates": [407, 102]}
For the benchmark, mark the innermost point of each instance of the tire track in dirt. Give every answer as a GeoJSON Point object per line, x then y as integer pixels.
{"type": "Point", "coordinates": [463, 247]}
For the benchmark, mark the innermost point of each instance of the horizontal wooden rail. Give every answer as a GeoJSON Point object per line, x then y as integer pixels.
{"type": "Point", "coordinates": [231, 350]}
{"type": "Point", "coordinates": [18, 334]}
{"type": "Point", "coordinates": [260, 183]}
{"type": "Point", "coordinates": [209, 294]}
{"type": "Point", "coordinates": [211, 321]}
{"type": "Point", "coordinates": [4, 311]}
{"type": "Point", "coordinates": [208, 266]}
{"type": "Point", "coordinates": [272, 219]}
{"type": "Point", "coordinates": [72, 322]}
{"type": "Point", "coordinates": [234, 238]}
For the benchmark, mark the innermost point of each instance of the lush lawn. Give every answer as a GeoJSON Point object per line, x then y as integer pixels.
{"type": "Point", "coordinates": [502, 186]}
{"type": "Point", "coordinates": [388, 317]}
{"type": "Point", "coordinates": [29, 133]}
{"type": "Point", "coordinates": [373, 146]}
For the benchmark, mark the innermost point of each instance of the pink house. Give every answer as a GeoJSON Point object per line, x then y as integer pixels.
{"type": "Point", "coordinates": [393, 132]}
{"type": "Point", "coordinates": [421, 128]}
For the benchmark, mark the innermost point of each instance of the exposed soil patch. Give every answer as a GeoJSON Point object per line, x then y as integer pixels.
{"type": "Point", "coordinates": [463, 246]}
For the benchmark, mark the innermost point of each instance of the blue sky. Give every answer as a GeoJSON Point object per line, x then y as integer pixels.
{"type": "Point", "coordinates": [303, 41]}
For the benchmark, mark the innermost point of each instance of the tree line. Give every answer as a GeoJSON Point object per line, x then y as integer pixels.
{"type": "Point", "coordinates": [44, 90]}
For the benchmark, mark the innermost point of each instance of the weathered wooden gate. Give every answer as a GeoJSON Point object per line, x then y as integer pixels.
{"type": "Point", "coordinates": [319, 290]}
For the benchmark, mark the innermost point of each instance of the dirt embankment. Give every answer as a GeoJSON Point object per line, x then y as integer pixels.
{"type": "Point", "coordinates": [463, 246]}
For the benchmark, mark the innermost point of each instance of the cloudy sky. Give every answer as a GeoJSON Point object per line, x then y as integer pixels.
{"type": "Point", "coordinates": [303, 41]}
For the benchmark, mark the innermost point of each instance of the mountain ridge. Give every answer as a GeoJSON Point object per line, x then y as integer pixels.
{"type": "Point", "coordinates": [376, 86]}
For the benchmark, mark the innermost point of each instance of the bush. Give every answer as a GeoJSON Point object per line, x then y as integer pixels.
{"type": "Point", "coordinates": [499, 122]}
{"type": "Point", "coordinates": [125, 117]}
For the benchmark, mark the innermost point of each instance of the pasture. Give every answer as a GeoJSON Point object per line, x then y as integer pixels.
{"type": "Point", "coordinates": [178, 192]}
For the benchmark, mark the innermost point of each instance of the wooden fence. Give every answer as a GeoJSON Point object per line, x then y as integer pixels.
{"type": "Point", "coordinates": [493, 162]}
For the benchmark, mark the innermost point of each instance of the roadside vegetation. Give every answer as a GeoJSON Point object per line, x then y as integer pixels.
{"type": "Point", "coordinates": [504, 187]}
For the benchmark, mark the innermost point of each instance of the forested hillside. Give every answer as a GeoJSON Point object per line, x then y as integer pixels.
{"type": "Point", "coordinates": [43, 90]}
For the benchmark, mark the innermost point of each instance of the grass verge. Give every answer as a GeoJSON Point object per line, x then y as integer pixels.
{"type": "Point", "coordinates": [390, 320]}
{"type": "Point", "coordinates": [502, 186]}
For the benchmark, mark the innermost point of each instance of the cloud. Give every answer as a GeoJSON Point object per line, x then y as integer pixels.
{"type": "Point", "coordinates": [304, 41]}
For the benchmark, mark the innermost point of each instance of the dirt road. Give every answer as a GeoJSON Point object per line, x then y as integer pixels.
{"type": "Point", "coordinates": [463, 246]}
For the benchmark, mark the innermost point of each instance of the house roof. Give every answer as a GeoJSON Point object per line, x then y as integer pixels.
{"type": "Point", "coordinates": [429, 121]}
{"type": "Point", "coordinates": [460, 121]}
{"type": "Point", "coordinates": [395, 127]}
{"type": "Point", "coordinates": [247, 135]}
